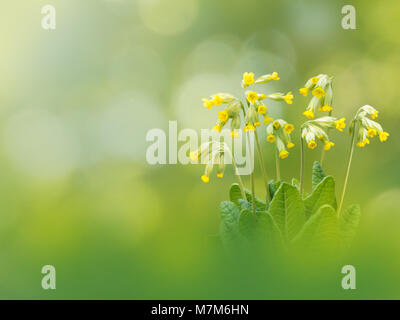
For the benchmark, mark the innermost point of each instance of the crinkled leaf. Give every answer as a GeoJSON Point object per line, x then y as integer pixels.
{"type": "Point", "coordinates": [323, 194]}
{"type": "Point", "coordinates": [235, 195]}
{"type": "Point", "coordinates": [348, 223]}
{"type": "Point", "coordinates": [229, 222]}
{"type": "Point", "coordinates": [317, 174]}
{"type": "Point", "coordinates": [260, 227]}
{"type": "Point", "coordinates": [287, 210]}
{"type": "Point", "coordinates": [273, 187]}
{"type": "Point", "coordinates": [244, 205]}
{"type": "Point", "coordinates": [320, 231]}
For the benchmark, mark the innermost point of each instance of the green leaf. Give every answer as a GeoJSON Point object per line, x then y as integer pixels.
{"type": "Point", "coordinates": [235, 195]}
{"type": "Point", "coordinates": [245, 205]}
{"type": "Point", "coordinates": [296, 183]}
{"type": "Point", "coordinates": [323, 194]}
{"type": "Point", "coordinates": [260, 227]}
{"type": "Point", "coordinates": [229, 222]}
{"type": "Point", "coordinates": [317, 174]}
{"type": "Point", "coordinates": [273, 187]}
{"type": "Point", "coordinates": [348, 223]}
{"type": "Point", "coordinates": [287, 210]}
{"type": "Point", "coordinates": [320, 231]}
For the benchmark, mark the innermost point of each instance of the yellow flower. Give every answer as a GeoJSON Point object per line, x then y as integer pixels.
{"type": "Point", "coordinates": [314, 80]}
{"type": "Point", "coordinates": [207, 103]}
{"type": "Point", "coordinates": [383, 136]}
{"type": "Point", "coordinates": [194, 156]}
{"type": "Point", "coordinates": [340, 124]}
{"type": "Point", "coordinates": [274, 76]}
{"type": "Point", "coordinates": [276, 125]}
{"type": "Point", "coordinates": [249, 127]}
{"type": "Point", "coordinates": [283, 154]}
{"type": "Point", "coordinates": [262, 109]}
{"type": "Point", "coordinates": [362, 144]}
{"type": "Point", "coordinates": [262, 96]}
{"type": "Point", "coordinates": [288, 98]}
{"type": "Point", "coordinates": [217, 100]}
{"type": "Point", "coordinates": [312, 144]}
{"type": "Point", "coordinates": [271, 138]}
{"type": "Point", "coordinates": [248, 78]}
{"type": "Point", "coordinates": [371, 133]}
{"type": "Point", "coordinates": [304, 91]}
{"type": "Point", "coordinates": [375, 114]}
{"type": "Point", "coordinates": [309, 114]}
{"type": "Point", "coordinates": [325, 108]}
{"type": "Point", "coordinates": [252, 96]}
{"type": "Point", "coordinates": [268, 120]}
{"type": "Point", "coordinates": [328, 145]}
{"type": "Point", "coordinates": [220, 175]}
{"type": "Point", "coordinates": [205, 178]}
{"type": "Point", "coordinates": [257, 124]}
{"type": "Point", "coordinates": [290, 145]}
{"type": "Point", "coordinates": [234, 134]}
{"type": "Point", "coordinates": [288, 128]}
{"type": "Point", "coordinates": [223, 116]}
{"type": "Point", "coordinates": [217, 128]}
{"type": "Point", "coordinates": [318, 92]}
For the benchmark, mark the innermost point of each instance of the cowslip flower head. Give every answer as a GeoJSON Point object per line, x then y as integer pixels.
{"type": "Point", "coordinates": [211, 153]}
{"type": "Point", "coordinates": [322, 95]}
{"type": "Point", "coordinates": [278, 132]}
{"type": "Point", "coordinates": [255, 112]}
{"type": "Point", "coordinates": [315, 130]}
{"type": "Point", "coordinates": [366, 127]}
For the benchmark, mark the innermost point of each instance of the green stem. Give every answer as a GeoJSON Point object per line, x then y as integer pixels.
{"type": "Point", "coordinates": [347, 173]}
{"type": "Point", "coordinates": [253, 194]}
{"type": "Point", "coordinates": [278, 169]}
{"type": "Point", "coordinates": [323, 150]}
{"type": "Point", "coordinates": [260, 159]}
{"type": "Point", "coordinates": [253, 202]}
{"type": "Point", "coordinates": [321, 161]}
{"type": "Point", "coordinates": [301, 166]}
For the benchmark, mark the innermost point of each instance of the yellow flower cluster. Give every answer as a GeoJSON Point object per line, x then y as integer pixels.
{"type": "Point", "coordinates": [211, 153]}
{"type": "Point", "coordinates": [255, 105]}
{"type": "Point", "coordinates": [279, 132]}
{"type": "Point", "coordinates": [316, 130]}
{"type": "Point", "coordinates": [321, 89]}
{"type": "Point", "coordinates": [367, 127]}
{"type": "Point", "coordinates": [254, 110]}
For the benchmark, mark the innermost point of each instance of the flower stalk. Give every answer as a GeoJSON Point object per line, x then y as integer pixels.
{"type": "Point", "coordinates": [301, 166]}
{"type": "Point", "coordinates": [278, 169]}
{"type": "Point", "coordinates": [260, 158]}
{"type": "Point", "coordinates": [346, 178]}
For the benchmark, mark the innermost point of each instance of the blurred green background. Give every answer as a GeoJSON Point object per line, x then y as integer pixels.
{"type": "Point", "coordinates": [76, 191]}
